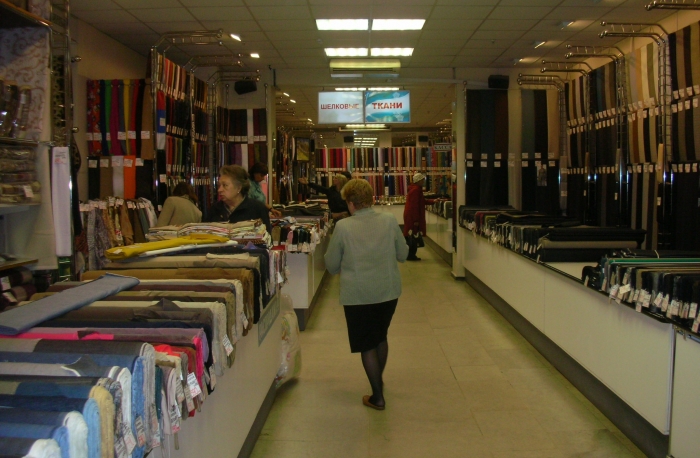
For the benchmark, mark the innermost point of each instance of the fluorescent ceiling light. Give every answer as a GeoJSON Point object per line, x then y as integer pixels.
{"type": "Point", "coordinates": [235, 37]}
{"type": "Point", "coordinates": [565, 24]}
{"type": "Point", "coordinates": [346, 75]}
{"type": "Point", "coordinates": [384, 89]}
{"type": "Point", "coordinates": [403, 52]}
{"type": "Point", "coordinates": [537, 44]}
{"type": "Point", "coordinates": [255, 55]}
{"type": "Point", "coordinates": [346, 52]}
{"type": "Point", "coordinates": [365, 126]}
{"type": "Point", "coordinates": [292, 100]}
{"type": "Point", "coordinates": [397, 24]}
{"type": "Point", "coordinates": [342, 24]}
{"type": "Point", "coordinates": [285, 94]}
{"type": "Point", "coordinates": [516, 61]}
{"type": "Point", "coordinates": [351, 89]}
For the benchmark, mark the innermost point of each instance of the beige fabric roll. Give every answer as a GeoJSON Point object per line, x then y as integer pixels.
{"type": "Point", "coordinates": [105, 403]}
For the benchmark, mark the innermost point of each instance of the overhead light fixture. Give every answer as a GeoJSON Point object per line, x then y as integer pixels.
{"type": "Point", "coordinates": [365, 126]}
{"type": "Point", "coordinates": [537, 44]}
{"type": "Point", "coordinates": [342, 24]}
{"type": "Point", "coordinates": [516, 61]}
{"type": "Point", "coordinates": [255, 55]}
{"type": "Point", "coordinates": [565, 24]}
{"type": "Point", "coordinates": [292, 100]}
{"type": "Point", "coordinates": [393, 52]}
{"type": "Point", "coordinates": [346, 52]}
{"type": "Point", "coordinates": [379, 89]}
{"type": "Point", "coordinates": [346, 75]}
{"type": "Point", "coordinates": [285, 94]}
{"type": "Point", "coordinates": [397, 24]}
{"type": "Point", "coordinates": [235, 37]}
{"type": "Point", "coordinates": [351, 89]}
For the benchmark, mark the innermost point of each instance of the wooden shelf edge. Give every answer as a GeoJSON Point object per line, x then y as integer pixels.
{"type": "Point", "coordinates": [21, 15]}
{"type": "Point", "coordinates": [17, 263]}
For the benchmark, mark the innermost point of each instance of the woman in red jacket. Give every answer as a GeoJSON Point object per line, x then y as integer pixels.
{"type": "Point", "coordinates": [414, 214]}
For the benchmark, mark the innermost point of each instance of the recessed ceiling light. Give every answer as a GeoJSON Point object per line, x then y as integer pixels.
{"type": "Point", "coordinates": [351, 89]}
{"type": "Point", "coordinates": [342, 24]}
{"type": "Point", "coordinates": [403, 52]}
{"type": "Point", "coordinates": [285, 94]}
{"type": "Point", "coordinates": [397, 24]}
{"type": "Point", "coordinates": [235, 37]}
{"type": "Point", "coordinates": [565, 24]}
{"type": "Point", "coordinates": [255, 55]}
{"type": "Point", "coordinates": [292, 100]}
{"type": "Point", "coordinates": [537, 44]}
{"type": "Point", "coordinates": [346, 52]}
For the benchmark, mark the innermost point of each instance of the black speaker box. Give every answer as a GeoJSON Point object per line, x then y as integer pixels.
{"type": "Point", "coordinates": [348, 139]}
{"type": "Point", "coordinates": [423, 138]}
{"type": "Point", "coordinates": [244, 87]}
{"type": "Point", "coordinates": [498, 82]}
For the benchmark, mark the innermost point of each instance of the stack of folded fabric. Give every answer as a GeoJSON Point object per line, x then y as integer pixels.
{"type": "Point", "coordinates": [299, 234]}
{"type": "Point", "coordinates": [17, 285]}
{"type": "Point", "coordinates": [253, 231]}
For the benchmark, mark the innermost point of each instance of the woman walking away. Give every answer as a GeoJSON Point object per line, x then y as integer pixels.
{"type": "Point", "coordinates": [365, 249]}
{"type": "Point", "coordinates": [414, 214]}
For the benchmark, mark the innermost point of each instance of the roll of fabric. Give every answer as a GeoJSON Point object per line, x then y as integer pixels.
{"type": "Point", "coordinates": [60, 200]}
{"type": "Point", "coordinates": [22, 318]}
{"type": "Point", "coordinates": [106, 189]}
{"type": "Point", "coordinates": [44, 448]}
{"type": "Point", "coordinates": [130, 177]}
{"type": "Point", "coordinates": [118, 176]}
{"type": "Point", "coordinates": [73, 421]}
{"type": "Point", "coordinates": [34, 431]}
{"type": "Point", "coordinates": [105, 405]}
{"type": "Point", "coordinates": [88, 408]}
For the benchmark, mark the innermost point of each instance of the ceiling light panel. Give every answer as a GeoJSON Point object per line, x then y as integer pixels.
{"type": "Point", "coordinates": [346, 52]}
{"type": "Point", "coordinates": [342, 24]}
{"type": "Point", "coordinates": [398, 24]}
{"type": "Point", "coordinates": [396, 52]}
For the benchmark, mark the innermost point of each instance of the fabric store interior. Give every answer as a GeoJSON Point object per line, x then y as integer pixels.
{"type": "Point", "coordinates": [553, 313]}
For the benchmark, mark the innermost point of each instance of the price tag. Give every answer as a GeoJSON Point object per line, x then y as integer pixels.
{"type": "Point", "coordinates": [92, 163]}
{"type": "Point", "coordinates": [117, 161]}
{"type": "Point", "coordinates": [104, 163]}
{"type": "Point", "coordinates": [121, 135]}
{"type": "Point", "coordinates": [693, 310]}
{"type": "Point", "coordinates": [10, 297]}
{"type": "Point", "coordinates": [484, 164]}
{"type": "Point", "coordinates": [28, 192]}
{"type": "Point", "coordinates": [140, 431]}
{"type": "Point", "coordinates": [664, 303]}
{"type": "Point", "coordinates": [695, 326]}
{"type": "Point", "coordinates": [673, 310]}
{"type": "Point", "coordinates": [193, 385]}
{"type": "Point", "coordinates": [625, 289]}
{"type": "Point", "coordinates": [163, 178]}
{"type": "Point", "coordinates": [128, 163]}
{"type": "Point", "coordinates": [188, 399]}
{"type": "Point", "coordinates": [470, 163]}
{"type": "Point", "coordinates": [128, 438]}
{"type": "Point", "coordinates": [647, 299]}
{"type": "Point", "coordinates": [108, 136]}
{"type": "Point", "coordinates": [145, 135]}
{"type": "Point", "coordinates": [5, 282]}
{"type": "Point", "coordinates": [613, 291]}
{"type": "Point", "coordinates": [97, 136]}
{"type": "Point", "coordinates": [658, 300]}
{"type": "Point", "coordinates": [131, 135]}
{"type": "Point", "coordinates": [88, 136]}
{"type": "Point", "coordinates": [175, 416]}
{"type": "Point", "coordinates": [638, 307]}
{"type": "Point", "coordinates": [228, 346]}
{"type": "Point", "coordinates": [120, 449]}
{"type": "Point", "coordinates": [635, 297]}
{"type": "Point", "coordinates": [139, 162]}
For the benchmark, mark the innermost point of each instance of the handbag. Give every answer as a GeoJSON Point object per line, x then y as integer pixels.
{"type": "Point", "coordinates": [417, 239]}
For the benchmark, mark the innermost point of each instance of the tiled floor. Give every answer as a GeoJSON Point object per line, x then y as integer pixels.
{"type": "Point", "coordinates": [459, 382]}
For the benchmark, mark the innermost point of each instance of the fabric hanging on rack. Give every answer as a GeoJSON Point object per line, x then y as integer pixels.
{"type": "Point", "coordinates": [114, 146]}
{"type": "Point", "coordinates": [130, 177]}
{"type": "Point", "coordinates": [106, 182]}
{"type": "Point", "coordinates": [123, 114]}
{"type": "Point", "coordinates": [61, 200]}
{"type": "Point", "coordinates": [105, 113]}
{"type": "Point", "coordinates": [93, 178]}
{"type": "Point", "coordinates": [117, 176]}
{"type": "Point", "coordinates": [147, 148]}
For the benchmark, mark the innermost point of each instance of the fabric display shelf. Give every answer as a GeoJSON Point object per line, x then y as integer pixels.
{"type": "Point", "coordinates": [112, 222]}
{"type": "Point", "coordinates": [306, 266]}
{"type": "Point", "coordinates": [241, 137]}
{"type": "Point", "coordinates": [243, 233]}
{"type": "Point", "coordinates": [584, 337]}
{"type": "Point", "coordinates": [114, 366]}
{"type": "Point", "coordinates": [17, 285]}
{"type": "Point", "coordinates": [548, 238]}
{"type": "Point", "coordinates": [438, 221]}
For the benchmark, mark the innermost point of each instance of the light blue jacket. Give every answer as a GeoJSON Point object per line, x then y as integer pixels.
{"type": "Point", "coordinates": [365, 249]}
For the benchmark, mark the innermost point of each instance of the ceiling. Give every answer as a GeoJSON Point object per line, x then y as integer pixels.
{"type": "Point", "coordinates": [458, 34]}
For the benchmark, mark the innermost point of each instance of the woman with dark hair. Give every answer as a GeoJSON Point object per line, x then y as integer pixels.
{"type": "Point", "coordinates": [234, 205]}
{"type": "Point", "coordinates": [257, 173]}
{"type": "Point", "coordinates": [180, 208]}
{"type": "Point", "coordinates": [366, 249]}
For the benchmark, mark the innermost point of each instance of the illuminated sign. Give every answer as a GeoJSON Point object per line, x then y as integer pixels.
{"type": "Point", "coordinates": [339, 107]}
{"type": "Point", "coordinates": [388, 107]}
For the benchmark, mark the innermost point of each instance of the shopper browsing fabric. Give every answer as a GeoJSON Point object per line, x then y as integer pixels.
{"type": "Point", "coordinates": [414, 214]}
{"type": "Point", "coordinates": [180, 208]}
{"type": "Point", "coordinates": [338, 207]}
{"type": "Point", "coordinates": [257, 173]}
{"type": "Point", "coordinates": [234, 205]}
{"type": "Point", "coordinates": [365, 249]}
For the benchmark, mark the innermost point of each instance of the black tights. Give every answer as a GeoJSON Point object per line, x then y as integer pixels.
{"type": "Point", "coordinates": [374, 361]}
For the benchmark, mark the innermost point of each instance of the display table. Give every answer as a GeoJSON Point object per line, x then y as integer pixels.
{"type": "Point", "coordinates": [306, 273]}
{"type": "Point", "coordinates": [620, 359]}
{"type": "Point", "coordinates": [233, 416]}
{"type": "Point", "coordinates": [439, 235]}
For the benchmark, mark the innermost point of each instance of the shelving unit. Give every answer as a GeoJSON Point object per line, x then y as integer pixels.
{"type": "Point", "coordinates": [17, 17]}
{"type": "Point", "coordinates": [5, 265]}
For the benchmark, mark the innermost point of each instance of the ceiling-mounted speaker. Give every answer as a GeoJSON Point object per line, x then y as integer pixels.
{"type": "Point", "coordinates": [244, 87]}
{"type": "Point", "coordinates": [498, 82]}
{"type": "Point", "coordinates": [349, 139]}
{"type": "Point", "coordinates": [422, 139]}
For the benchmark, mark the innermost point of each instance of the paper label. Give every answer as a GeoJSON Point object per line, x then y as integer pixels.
{"type": "Point", "coordinates": [92, 163]}
{"type": "Point", "coordinates": [128, 437]}
{"type": "Point", "coordinates": [121, 135]}
{"type": "Point", "coordinates": [104, 163]}
{"type": "Point", "coordinates": [145, 135]}
{"type": "Point", "coordinates": [117, 161]}
{"type": "Point", "coordinates": [28, 192]}
{"type": "Point", "coordinates": [625, 289]}
{"type": "Point", "coordinates": [5, 282]}
{"type": "Point", "coordinates": [470, 163]}
{"type": "Point", "coordinates": [108, 137]}
{"type": "Point", "coordinates": [647, 299]}
{"type": "Point", "coordinates": [188, 399]}
{"type": "Point", "coordinates": [97, 136]}
{"type": "Point", "coordinates": [664, 303]}
{"type": "Point", "coordinates": [128, 163]}
{"type": "Point", "coordinates": [120, 449]}
{"type": "Point", "coordinates": [88, 136]}
{"type": "Point", "coordinates": [693, 310]}
{"type": "Point", "coordinates": [140, 431]}
{"type": "Point", "coordinates": [10, 297]}
{"type": "Point", "coordinates": [484, 164]}
{"type": "Point", "coordinates": [139, 162]}
{"type": "Point", "coordinates": [613, 291]}
{"type": "Point", "coordinates": [227, 345]}
{"type": "Point", "coordinates": [193, 385]}
{"type": "Point", "coordinates": [163, 178]}
{"type": "Point", "coordinates": [695, 326]}
{"type": "Point", "coordinates": [658, 300]}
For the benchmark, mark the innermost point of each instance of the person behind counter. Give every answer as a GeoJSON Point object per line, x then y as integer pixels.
{"type": "Point", "coordinates": [338, 206]}
{"type": "Point", "coordinates": [234, 205]}
{"type": "Point", "coordinates": [257, 174]}
{"type": "Point", "coordinates": [180, 208]}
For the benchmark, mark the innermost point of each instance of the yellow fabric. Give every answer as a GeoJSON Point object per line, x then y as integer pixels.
{"type": "Point", "coordinates": [105, 403]}
{"type": "Point", "coordinates": [125, 252]}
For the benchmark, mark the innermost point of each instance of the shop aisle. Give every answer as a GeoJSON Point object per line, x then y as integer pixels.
{"type": "Point", "coordinates": [459, 382]}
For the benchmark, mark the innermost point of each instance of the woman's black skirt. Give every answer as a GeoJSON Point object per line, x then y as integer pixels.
{"type": "Point", "coordinates": [368, 324]}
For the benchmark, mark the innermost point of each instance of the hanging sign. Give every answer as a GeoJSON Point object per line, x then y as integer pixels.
{"type": "Point", "coordinates": [388, 106]}
{"type": "Point", "coordinates": [339, 107]}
